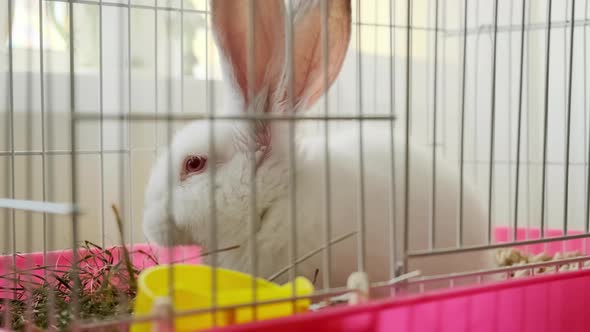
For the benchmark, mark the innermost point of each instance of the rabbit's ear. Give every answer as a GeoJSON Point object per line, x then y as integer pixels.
{"type": "Point", "coordinates": [313, 70]}
{"type": "Point", "coordinates": [250, 57]}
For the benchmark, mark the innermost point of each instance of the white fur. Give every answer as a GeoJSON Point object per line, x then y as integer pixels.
{"type": "Point", "coordinates": [190, 211]}
{"type": "Point", "coordinates": [191, 203]}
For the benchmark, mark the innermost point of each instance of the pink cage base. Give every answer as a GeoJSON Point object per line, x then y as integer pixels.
{"type": "Point", "coordinates": [141, 255]}
{"type": "Point", "coordinates": [556, 302]}
{"type": "Point", "coordinates": [505, 234]}
{"type": "Point", "coordinates": [547, 303]}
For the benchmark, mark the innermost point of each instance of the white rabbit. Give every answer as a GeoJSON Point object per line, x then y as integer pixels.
{"type": "Point", "coordinates": [191, 162]}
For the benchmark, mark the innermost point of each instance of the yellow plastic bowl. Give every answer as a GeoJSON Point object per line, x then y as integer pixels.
{"type": "Point", "coordinates": [193, 290]}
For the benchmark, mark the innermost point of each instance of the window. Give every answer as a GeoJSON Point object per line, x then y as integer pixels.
{"type": "Point", "coordinates": [26, 27]}
{"type": "Point", "coordinates": [199, 59]}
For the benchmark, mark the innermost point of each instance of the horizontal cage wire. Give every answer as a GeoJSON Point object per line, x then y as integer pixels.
{"type": "Point", "coordinates": [238, 161]}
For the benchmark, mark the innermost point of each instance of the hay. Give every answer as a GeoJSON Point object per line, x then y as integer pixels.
{"type": "Point", "coordinates": [96, 288]}
{"type": "Point", "coordinates": [514, 257]}
{"type": "Point", "coordinates": [98, 293]}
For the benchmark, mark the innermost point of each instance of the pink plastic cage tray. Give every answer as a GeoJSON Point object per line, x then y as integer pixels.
{"type": "Point", "coordinates": [58, 262]}
{"type": "Point", "coordinates": [557, 302]}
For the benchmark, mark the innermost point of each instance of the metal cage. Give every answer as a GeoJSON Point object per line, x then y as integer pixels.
{"type": "Point", "coordinates": [92, 91]}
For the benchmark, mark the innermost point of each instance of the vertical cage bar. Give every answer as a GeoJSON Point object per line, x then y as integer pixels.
{"type": "Point", "coordinates": [182, 55]}
{"type": "Point", "coordinates": [127, 148]}
{"type": "Point", "coordinates": [462, 132]}
{"type": "Point", "coordinates": [327, 262]}
{"type": "Point", "coordinates": [46, 165]}
{"type": "Point", "coordinates": [434, 129]}
{"type": "Point", "coordinates": [124, 155]}
{"type": "Point", "coordinates": [362, 251]}
{"type": "Point", "coordinates": [12, 123]}
{"type": "Point", "coordinates": [586, 139]}
{"type": "Point", "coordinates": [156, 85]}
{"type": "Point", "coordinates": [407, 142]}
{"type": "Point", "coordinates": [443, 73]}
{"type": "Point", "coordinates": [28, 169]}
{"type": "Point", "coordinates": [528, 130]}
{"type": "Point", "coordinates": [43, 134]}
{"type": "Point", "coordinates": [251, 63]}
{"type": "Point", "coordinates": [392, 186]}
{"type": "Point", "coordinates": [427, 92]}
{"type": "Point", "coordinates": [212, 178]}
{"type": "Point", "coordinates": [170, 176]}
{"type": "Point", "coordinates": [475, 106]}
{"type": "Point", "coordinates": [565, 74]}
{"type": "Point", "coordinates": [519, 123]}
{"type": "Point", "coordinates": [493, 124]}
{"type": "Point", "coordinates": [51, 170]}
{"type": "Point", "coordinates": [123, 70]}
{"type": "Point", "coordinates": [101, 121]}
{"type": "Point", "coordinates": [6, 317]}
{"type": "Point", "coordinates": [546, 118]}
{"type": "Point", "coordinates": [569, 119]}
{"type": "Point", "coordinates": [74, 166]}
{"type": "Point", "coordinates": [509, 120]}
{"type": "Point", "coordinates": [10, 238]}
{"type": "Point", "coordinates": [290, 62]}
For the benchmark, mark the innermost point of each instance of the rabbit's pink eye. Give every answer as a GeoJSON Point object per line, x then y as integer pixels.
{"type": "Point", "coordinates": [194, 164]}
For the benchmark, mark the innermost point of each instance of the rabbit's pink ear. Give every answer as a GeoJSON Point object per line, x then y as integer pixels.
{"type": "Point", "coordinates": [308, 54]}
{"type": "Point", "coordinates": [232, 22]}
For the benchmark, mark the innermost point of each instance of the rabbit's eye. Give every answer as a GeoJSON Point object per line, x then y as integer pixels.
{"type": "Point", "coordinates": [193, 165]}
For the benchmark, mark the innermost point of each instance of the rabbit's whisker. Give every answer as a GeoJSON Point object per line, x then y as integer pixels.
{"type": "Point", "coordinates": [311, 254]}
